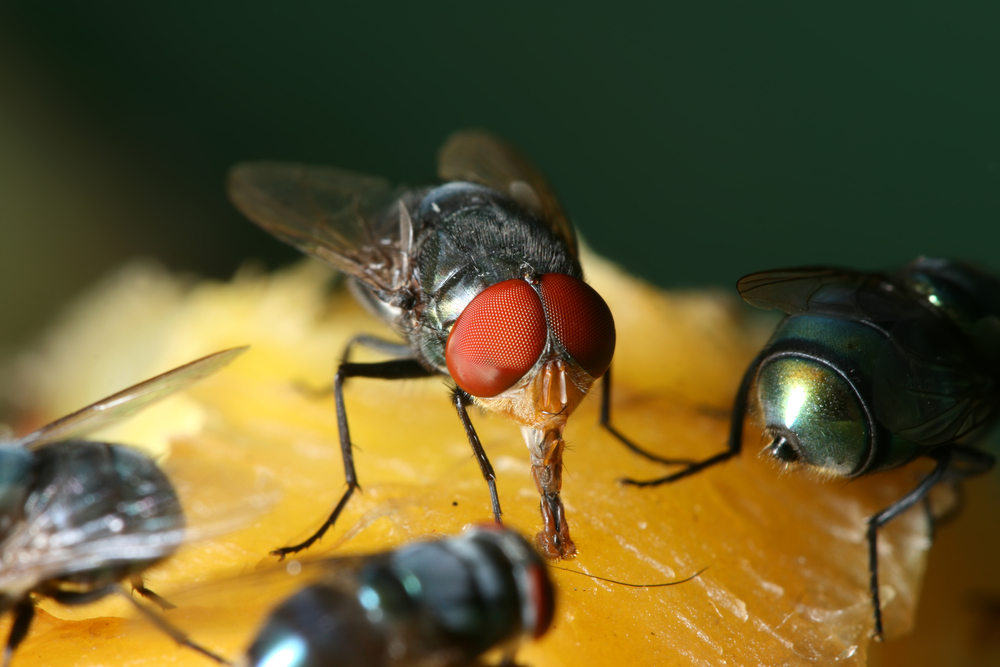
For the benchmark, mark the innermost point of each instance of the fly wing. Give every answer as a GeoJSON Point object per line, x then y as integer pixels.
{"type": "Point", "coordinates": [258, 592]}
{"type": "Point", "coordinates": [33, 566]}
{"type": "Point", "coordinates": [480, 157]}
{"type": "Point", "coordinates": [827, 292]}
{"type": "Point", "coordinates": [930, 384]}
{"type": "Point", "coordinates": [346, 219]}
{"type": "Point", "coordinates": [129, 401]}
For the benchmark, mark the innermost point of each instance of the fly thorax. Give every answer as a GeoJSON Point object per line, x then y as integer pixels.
{"type": "Point", "coordinates": [476, 238]}
{"type": "Point", "coordinates": [466, 590]}
{"type": "Point", "coordinates": [514, 557]}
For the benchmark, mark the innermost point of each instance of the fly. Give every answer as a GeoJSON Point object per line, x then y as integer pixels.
{"type": "Point", "coordinates": [441, 602]}
{"type": "Point", "coordinates": [77, 517]}
{"type": "Point", "coordinates": [870, 371]}
{"type": "Point", "coordinates": [481, 276]}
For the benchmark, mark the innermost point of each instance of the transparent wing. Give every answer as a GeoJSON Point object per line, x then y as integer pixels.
{"type": "Point", "coordinates": [827, 292]}
{"type": "Point", "coordinates": [273, 574]}
{"type": "Point", "coordinates": [930, 386]}
{"type": "Point", "coordinates": [129, 401]}
{"type": "Point", "coordinates": [351, 221]}
{"type": "Point", "coordinates": [480, 157]}
{"type": "Point", "coordinates": [32, 567]}
{"type": "Point", "coordinates": [241, 604]}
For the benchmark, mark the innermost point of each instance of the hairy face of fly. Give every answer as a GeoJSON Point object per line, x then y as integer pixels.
{"type": "Point", "coordinates": [544, 398]}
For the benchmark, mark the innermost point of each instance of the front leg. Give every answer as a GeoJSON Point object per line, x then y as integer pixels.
{"type": "Point", "coordinates": [606, 423]}
{"type": "Point", "coordinates": [735, 445]}
{"type": "Point", "coordinates": [397, 369]}
{"type": "Point", "coordinates": [461, 401]}
{"type": "Point", "coordinates": [389, 348]}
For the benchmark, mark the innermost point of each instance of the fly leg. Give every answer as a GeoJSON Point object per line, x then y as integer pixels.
{"type": "Point", "coordinates": [397, 369]}
{"type": "Point", "coordinates": [169, 629]}
{"type": "Point", "coordinates": [386, 347]}
{"type": "Point", "coordinates": [958, 460]}
{"type": "Point", "coordinates": [966, 461]}
{"type": "Point", "coordinates": [606, 423]}
{"type": "Point", "coordinates": [735, 434]}
{"type": "Point", "coordinates": [462, 401]}
{"type": "Point", "coordinates": [24, 613]}
{"type": "Point", "coordinates": [138, 586]}
{"type": "Point", "coordinates": [879, 519]}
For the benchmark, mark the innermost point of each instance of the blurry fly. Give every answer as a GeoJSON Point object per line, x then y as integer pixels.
{"type": "Point", "coordinates": [482, 278]}
{"type": "Point", "coordinates": [442, 602]}
{"type": "Point", "coordinates": [78, 517]}
{"type": "Point", "coordinates": [870, 371]}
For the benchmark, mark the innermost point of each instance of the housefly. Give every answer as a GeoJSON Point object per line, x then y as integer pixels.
{"type": "Point", "coordinates": [480, 275]}
{"type": "Point", "coordinates": [441, 602]}
{"type": "Point", "coordinates": [868, 372]}
{"type": "Point", "coordinates": [77, 517]}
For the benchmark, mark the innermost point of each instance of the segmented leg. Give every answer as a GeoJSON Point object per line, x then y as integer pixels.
{"type": "Point", "coordinates": [461, 401]}
{"type": "Point", "coordinates": [879, 519]}
{"type": "Point", "coordinates": [169, 629]}
{"type": "Point", "coordinates": [735, 434]}
{"type": "Point", "coordinates": [138, 586]}
{"type": "Point", "coordinates": [964, 461]}
{"type": "Point", "coordinates": [397, 369]}
{"type": "Point", "coordinates": [606, 423]}
{"type": "Point", "coordinates": [387, 347]}
{"type": "Point", "coordinates": [24, 613]}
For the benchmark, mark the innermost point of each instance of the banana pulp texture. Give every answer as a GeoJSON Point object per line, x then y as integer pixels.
{"type": "Point", "coordinates": [787, 577]}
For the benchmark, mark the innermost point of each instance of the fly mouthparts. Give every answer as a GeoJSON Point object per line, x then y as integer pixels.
{"type": "Point", "coordinates": [553, 396]}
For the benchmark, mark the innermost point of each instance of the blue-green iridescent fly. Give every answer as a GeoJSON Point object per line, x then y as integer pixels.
{"type": "Point", "coordinates": [870, 371]}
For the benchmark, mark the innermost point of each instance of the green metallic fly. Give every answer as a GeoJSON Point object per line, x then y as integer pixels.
{"type": "Point", "coordinates": [869, 372]}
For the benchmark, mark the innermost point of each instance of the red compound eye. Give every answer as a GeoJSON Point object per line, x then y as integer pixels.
{"type": "Point", "coordinates": [580, 320]}
{"type": "Point", "coordinates": [497, 338]}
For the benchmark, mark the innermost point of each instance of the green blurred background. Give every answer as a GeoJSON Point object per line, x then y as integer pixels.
{"type": "Point", "coordinates": [691, 142]}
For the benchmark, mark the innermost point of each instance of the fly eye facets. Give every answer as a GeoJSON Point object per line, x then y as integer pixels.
{"type": "Point", "coordinates": [580, 320]}
{"type": "Point", "coordinates": [497, 338]}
